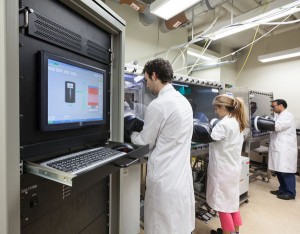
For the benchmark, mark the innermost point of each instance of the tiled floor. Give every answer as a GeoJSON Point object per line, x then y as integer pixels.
{"type": "Point", "coordinates": [264, 213]}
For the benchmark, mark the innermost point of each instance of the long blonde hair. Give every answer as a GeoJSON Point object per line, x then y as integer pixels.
{"type": "Point", "coordinates": [236, 108]}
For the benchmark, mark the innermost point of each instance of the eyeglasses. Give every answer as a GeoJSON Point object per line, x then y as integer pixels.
{"type": "Point", "coordinates": [273, 106]}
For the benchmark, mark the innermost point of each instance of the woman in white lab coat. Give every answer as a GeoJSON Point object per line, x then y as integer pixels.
{"type": "Point", "coordinates": [224, 167]}
{"type": "Point", "coordinates": [168, 127]}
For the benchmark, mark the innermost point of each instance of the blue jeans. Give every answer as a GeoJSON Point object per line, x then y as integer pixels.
{"type": "Point", "coordinates": [287, 183]}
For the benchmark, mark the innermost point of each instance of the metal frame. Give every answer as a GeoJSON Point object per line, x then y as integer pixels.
{"type": "Point", "coordinates": [101, 15]}
{"type": "Point", "coordinates": [9, 118]}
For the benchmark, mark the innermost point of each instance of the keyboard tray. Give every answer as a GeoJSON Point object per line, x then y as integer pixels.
{"type": "Point", "coordinates": [89, 175]}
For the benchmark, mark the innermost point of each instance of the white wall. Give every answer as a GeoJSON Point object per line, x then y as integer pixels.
{"type": "Point", "coordinates": [225, 73]}
{"type": "Point", "coordinates": [282, 77]}
{"type": "Point", "coordinates": [228, 71]}
{"type": "Point", "coordinates": [208, 74]}
{"type": "Point", "coordinates": [143, 42]}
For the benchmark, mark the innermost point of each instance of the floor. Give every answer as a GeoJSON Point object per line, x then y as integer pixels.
{"type": "Point", "coordinates": [264, 213]}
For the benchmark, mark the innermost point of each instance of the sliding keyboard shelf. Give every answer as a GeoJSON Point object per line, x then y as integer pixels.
{"type": "Point", "coordinates": [91, 175]}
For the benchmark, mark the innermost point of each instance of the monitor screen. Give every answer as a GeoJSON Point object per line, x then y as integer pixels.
{"type": "Point", "coordinates": [72, 94]}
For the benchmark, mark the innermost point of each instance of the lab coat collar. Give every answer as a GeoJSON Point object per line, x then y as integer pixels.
{"type": "Point", "coordinates": [166, 88]}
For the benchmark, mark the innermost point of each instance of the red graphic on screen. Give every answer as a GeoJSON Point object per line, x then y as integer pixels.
{"type": "Point", "coordinates": [93, 93]}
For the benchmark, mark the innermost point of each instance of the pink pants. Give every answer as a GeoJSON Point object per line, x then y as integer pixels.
{"type": "Point", "coordinates": [230, 220]}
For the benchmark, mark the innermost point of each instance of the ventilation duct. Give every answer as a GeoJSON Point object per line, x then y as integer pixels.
{"type": "Point", "coordinates": [135, 4]}
{"type": "Point", "coordinates": [180, 20]}
{"type": "Point", "coordinates": [146, 18]}
{"type": "Point", "coordinates": [186, 17]}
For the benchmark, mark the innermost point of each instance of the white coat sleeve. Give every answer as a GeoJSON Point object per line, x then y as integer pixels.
{"type": "Point", "coordinates": [284, 122]}
{"type": "Point", "coordinates": [154, 119]}
{"type": "Point", "coordinates": [219, 131]}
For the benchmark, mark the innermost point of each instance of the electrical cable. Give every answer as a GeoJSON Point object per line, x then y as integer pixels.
{"type": "Point", "coordinates": [242, 48]}
{"type": "Point", "coordinates": [207, 43]}
{"type": "Point", "coordinates": [195, 39]}
{"type": "Point", "coordinates": [250, 50]}
{"type": "Point", "coordinates": [200, 37]}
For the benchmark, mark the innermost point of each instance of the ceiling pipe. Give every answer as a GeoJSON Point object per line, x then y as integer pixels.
{"type": "Point", "coordinates": [236, 12]}
{"type": "Point", "coordinates": [189, 15]}
{"type": "Point", "coordinates": [209, 66]}
{"type": "Point", "coordinates": [286, 29]}
{"type": "Point", "coordinates": [180, 20]}
{"type": "Point", "coordinates": [145, 17]}
{"type": "Point", "coordinates": [230, 8]}
{"type": "Point", "coordinates": [135, 4]}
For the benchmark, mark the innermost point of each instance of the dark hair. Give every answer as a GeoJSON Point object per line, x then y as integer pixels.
{"type": "Point", "coordinates": [162, 69]}
{"type": "Point", "coordinates": [280, 102]}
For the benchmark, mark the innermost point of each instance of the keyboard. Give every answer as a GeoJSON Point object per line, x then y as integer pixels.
{"type": "Point", "coordinates": [75, 163]}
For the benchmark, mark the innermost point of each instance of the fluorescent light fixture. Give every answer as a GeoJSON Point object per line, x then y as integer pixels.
{"type": "Point", "coordinates": [230, 31]}
{"type": "Point", "coordinates": [197, 55]}
{"type": "Point", "coordinates": [166, 9]}
{"type": "Point", "coordinates": [285, 54]}
{"type": "Point", "coordinates": [275, 10]}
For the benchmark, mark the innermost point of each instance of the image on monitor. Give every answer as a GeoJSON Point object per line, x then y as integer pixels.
{"type": "Point", "coordinates": [70, 92]}
{"type": "Point", "coordinates": [73, 94]}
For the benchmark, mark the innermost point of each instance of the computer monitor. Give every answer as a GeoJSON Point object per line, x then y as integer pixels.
{"type": "Point", "coordinates": [72, 94]}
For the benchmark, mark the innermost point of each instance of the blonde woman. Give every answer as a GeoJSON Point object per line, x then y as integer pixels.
{"type": "Point", "coordinates": [224, 166]}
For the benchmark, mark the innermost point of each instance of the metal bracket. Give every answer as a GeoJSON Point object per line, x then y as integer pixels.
{"type": "Point", "coordinates": [48, 173]}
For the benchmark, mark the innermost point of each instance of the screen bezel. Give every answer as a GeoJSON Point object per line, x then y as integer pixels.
{"type": "Point", "coordinates": [44, 126]}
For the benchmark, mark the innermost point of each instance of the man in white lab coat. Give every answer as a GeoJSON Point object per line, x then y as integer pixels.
{"type": "Point", "coordinates": [168, 127]}
{"type": "Point", "coordinates": [283, 151]}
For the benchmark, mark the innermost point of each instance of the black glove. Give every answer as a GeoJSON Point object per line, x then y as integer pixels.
{"type": "Point", "coordinates": [132, 124]}
{"type": "Point", "coordinates": [201, 133]}
{"type": "Point", "coordinates": [264, 124]}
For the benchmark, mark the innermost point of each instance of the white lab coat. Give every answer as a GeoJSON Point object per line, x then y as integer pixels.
{"type": "Point", "coordinates": [169, 200]}
{"type": "Point", "coordinates": [283, 144]}
{"type": "Point", "coordinates": [224, 167]}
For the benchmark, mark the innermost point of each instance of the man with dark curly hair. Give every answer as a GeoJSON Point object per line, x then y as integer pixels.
{"type": "Point", "coordinates": [168, 129]}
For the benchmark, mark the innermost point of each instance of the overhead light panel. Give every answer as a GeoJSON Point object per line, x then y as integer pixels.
{"type": "Point", "coordinates": [285, 54]}
{"type": "Point", "coordinates": [275, 10]}
{"type": "Point", "coordinates": [201, 56]}
{"type": "Point", "coordinates": [166, 9]}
